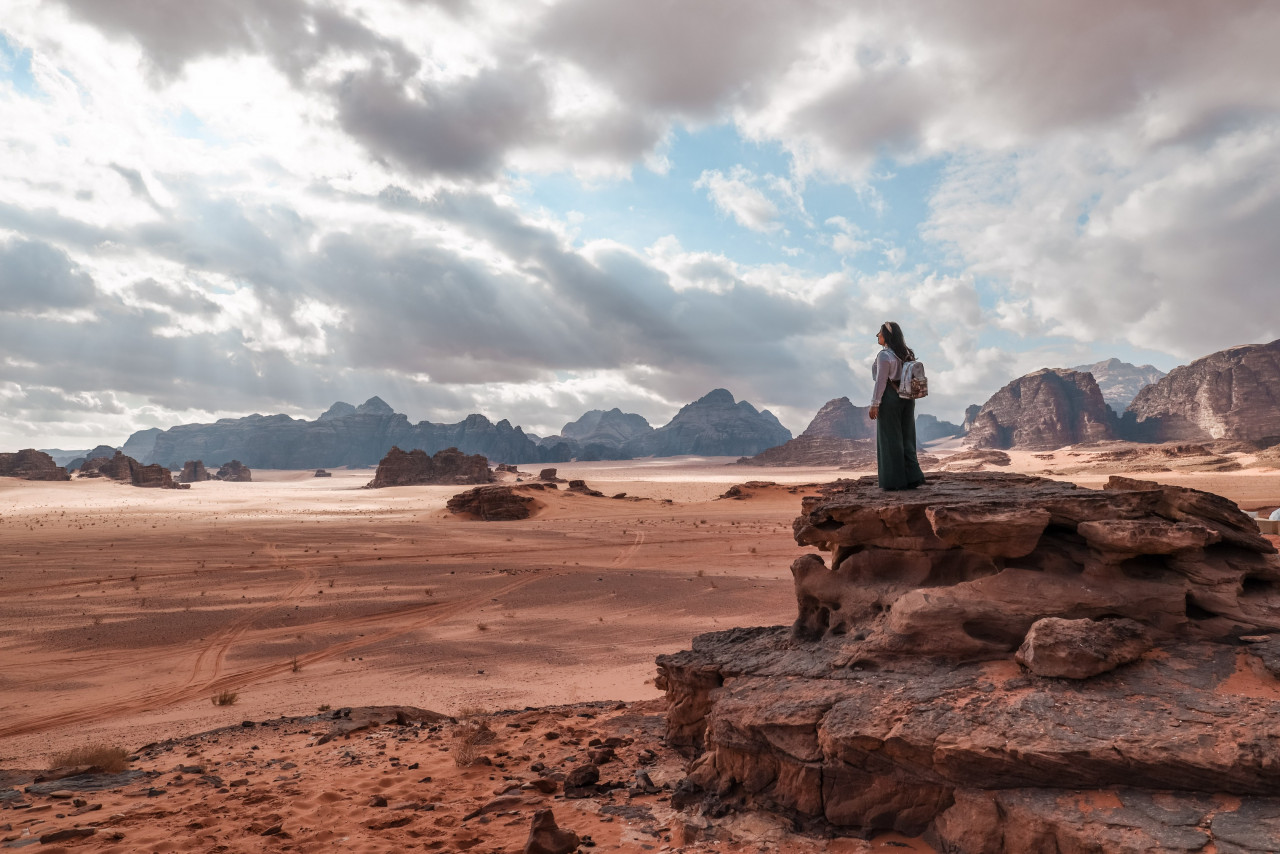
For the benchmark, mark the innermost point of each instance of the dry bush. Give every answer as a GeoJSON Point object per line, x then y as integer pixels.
{"type": "Point", "coordinates": [224, 698]}
{"type": "Point", "coordinates": [468, 742]}
{"type": "Point", "coordinates": [100, 756]}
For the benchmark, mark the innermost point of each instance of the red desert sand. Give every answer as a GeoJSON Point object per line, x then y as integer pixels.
{"type": "Point", "coordinates": [128, 613]}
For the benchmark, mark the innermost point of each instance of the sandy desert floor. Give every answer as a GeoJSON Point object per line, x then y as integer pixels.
{"type": "Point", "coordinates": [124, 611]}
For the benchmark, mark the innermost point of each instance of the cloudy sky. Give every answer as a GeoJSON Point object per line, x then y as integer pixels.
{"type": "Point", "coordinates": [534, 208]}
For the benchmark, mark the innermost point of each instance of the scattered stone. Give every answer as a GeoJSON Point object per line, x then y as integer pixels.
{"type": "Point", "coordinates": [546, 837]}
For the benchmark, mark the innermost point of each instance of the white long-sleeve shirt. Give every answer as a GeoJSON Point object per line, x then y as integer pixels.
{"type": "Point", "coordinates": [887, 366]}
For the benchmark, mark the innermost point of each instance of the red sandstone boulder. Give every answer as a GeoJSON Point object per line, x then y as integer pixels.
{"type": "Point", "coordinates": [1078, 649]}
{"type": "Point", "coordinates": [415, 468]}
{"type": "Point", "coordinates": [496, 502]}
{"type": "Point", "coordinates": [30, 464]}
{"type": "Point", "coordinates": [546, 837]}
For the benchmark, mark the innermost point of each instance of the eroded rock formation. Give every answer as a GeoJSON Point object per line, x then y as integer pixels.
{"type": "Point", "coordinates": [897, 701]}
{"type": "Point", "coordinates": [193, 471]}
{"type": "Point", "coordinates": [1044, 410]}
{"type": "Point", "coordinates": [126, 469]}
{"type": "Point", "coordinates": [30, 464]}
{"type": "Point", "coordinates": [1232, 394]}
{"type": "Point", "coordinates": [497, 502]}
{"type": "Point", "coordinates": [235, 472]}
{"type": "Point", "coordinates": [415, 468]}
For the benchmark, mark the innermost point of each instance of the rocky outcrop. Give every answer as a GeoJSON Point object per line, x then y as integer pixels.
{"type": "Point", "coordinates": [193, 471]}
{"type": "Point", "coordinates": [1043, 411]}
{"type": "Point", "coordinates": [416, 468]}
{"type": "Point", "coordinates": [30, 464]}
{"type": "Point", "coordinates": [497, 502]}
{"type": "Point", "coordinates": [1233, 394]}
{"type": "Point", "coordinates": [714, 425]}
{"type": "Point", "coordinates": [234, 472]}
{"type": "Point", "coordinates": [1120, 381]}
{"type": "Point", "coordinates": [840, 419]}
{"type": "Point", "coordinates": [322, 473]}
{"type": "Point", "coordinates": [126, 469]}
{"type": "Point", "coordinates": [100, 452]}
{"type": "Point", "coordinates": [896, 700]}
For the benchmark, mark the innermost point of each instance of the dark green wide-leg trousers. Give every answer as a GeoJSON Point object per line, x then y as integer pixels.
{"type": "Point", "coordinates": [896, 463]}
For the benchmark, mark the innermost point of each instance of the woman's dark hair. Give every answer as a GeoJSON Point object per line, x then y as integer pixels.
{"type": "Point", "coordinates": [893, 339]}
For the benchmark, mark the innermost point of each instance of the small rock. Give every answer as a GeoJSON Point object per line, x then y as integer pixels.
{"type": "Point", "coordinates": [546, 837]}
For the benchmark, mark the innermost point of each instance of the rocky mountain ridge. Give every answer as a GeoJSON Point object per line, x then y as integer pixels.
{"type": "Point", "coordinates": [1120, 381]}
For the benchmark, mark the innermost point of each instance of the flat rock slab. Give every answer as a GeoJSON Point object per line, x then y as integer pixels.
{"type": "Point", "coordinates": [877, 749]}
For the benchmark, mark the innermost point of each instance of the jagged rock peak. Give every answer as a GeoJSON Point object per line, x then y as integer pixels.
{"type": "Point", "coordinates": [610, 427]}
{"type": "Point", "coordinates": [375, 406]}
{"type": "Point", "coordinates": [840, 419]}
{"type": "Point", "coordinates": [1120, 381]}
{"type": "Point", "coordinates": [716, 397]}
{"type": "Point", "coordinates": [338, 410]}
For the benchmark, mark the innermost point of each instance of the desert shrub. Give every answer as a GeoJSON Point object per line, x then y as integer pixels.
{"type": "Point", "coordinates": [225, 698]}
{"type": "Point", "coordinates": [103, 757]}
{"type": "Point", "coordinates": [468, 742]}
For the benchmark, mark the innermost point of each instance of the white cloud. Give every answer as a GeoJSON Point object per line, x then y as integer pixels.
{"type": "Point", "coordinates": [734, 195]}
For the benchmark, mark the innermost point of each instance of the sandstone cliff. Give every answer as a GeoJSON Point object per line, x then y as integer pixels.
{"type": "Point", "coordinates": [193, 471]}
{"type": "Point", "coordinates": [1120, 381]}
{"type": "Point", "coordinates": [1042, 411]}
{"type": "Point", "coordinates": [713, 425]}
{"type": "Point", "coordinates": [1233, 394]}
{"type": "Point", "coordinates": [30, 464]}
{"type": "Point", "coordinates": [1007, 665]}
{"type": "Point", "coordinates": [415, 468]}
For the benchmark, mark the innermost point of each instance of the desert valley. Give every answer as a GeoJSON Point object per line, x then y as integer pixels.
{"type": "Point", "coordinates": [292, 661]}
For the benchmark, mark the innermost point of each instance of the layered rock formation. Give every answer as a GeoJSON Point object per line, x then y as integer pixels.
{"type": "Point", "coordinates": [30, 464]}
{"type": "Point", "coordinates": [126, 469]}
{"type": "Point", "coordinates": [1120, 381]}
{"type": "Point", "coordinates": [193, 471]}
{"type": "Point", "coordinates": [713, 425]}
{"type": "Point", "coordinates": [415, 468]}
{"type": "Point", "coordinates": [235, 472]}
{"type": "Point", "coordinates": [1044, 410]}
{"type": "Point", "coordinates": [896, 700]}
{"type": "Point", "coordinates": [1233, 394]}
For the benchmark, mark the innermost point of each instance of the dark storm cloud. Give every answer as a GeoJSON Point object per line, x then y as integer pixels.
{"type": "Point", "coordinates": [689, 58]}
{"type": "Point", "coordinates": [457, 129]}
{"type": "Point", "coordinates": [36, 275]}
{"type": "Point", "coordinates": [293, 34]}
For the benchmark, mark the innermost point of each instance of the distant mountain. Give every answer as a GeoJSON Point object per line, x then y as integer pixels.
{"type": "Point", "coordinates": [1233, 394]}
{"type": "Point", "coordinates": [613, 427]}
{"type": "Point", "coordinates": [713, 425]}
{"type": "Point", "coordinates": [344, 435]}
{"type": "Point", "coordinates": [62, 457]}
{"type": "Point", "coordinates": [842, 434]}
{"type": "Point", "coordinates": [1120, 381]}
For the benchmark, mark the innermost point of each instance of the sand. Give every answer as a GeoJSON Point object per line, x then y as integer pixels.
{"type": "Point", "coordinates": [123, 611]}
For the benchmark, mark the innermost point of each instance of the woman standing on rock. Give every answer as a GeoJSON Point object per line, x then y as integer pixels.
{"type": "Point", "coordinates": [895, 417]}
